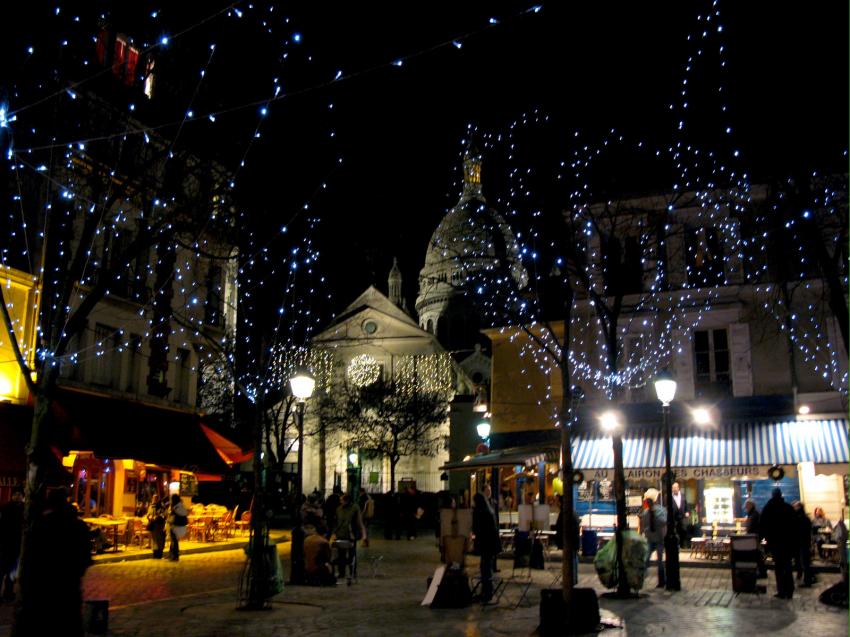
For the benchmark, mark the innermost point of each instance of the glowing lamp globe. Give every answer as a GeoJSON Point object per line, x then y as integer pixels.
{"type": "Point", "coordinates": [483, 429]}
{"type": "Point", "coordinates": [665, 387]}
{"type": "Point", "coordinates": [302, 384]}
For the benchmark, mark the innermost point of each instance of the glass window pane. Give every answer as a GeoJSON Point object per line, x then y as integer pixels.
{"type": "Point", "coordinates": [721, 363]}
{"type": "Point", "coordinates": [720, 341]}
{"type": "Point", "coordinates": [701, 341]}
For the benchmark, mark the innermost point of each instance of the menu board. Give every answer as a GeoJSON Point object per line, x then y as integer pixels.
{"type": "Point", "coordinates": [188, 484]}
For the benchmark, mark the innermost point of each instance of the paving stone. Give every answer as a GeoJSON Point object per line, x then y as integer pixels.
{"type": "Point", "coordinates": [196, 597]}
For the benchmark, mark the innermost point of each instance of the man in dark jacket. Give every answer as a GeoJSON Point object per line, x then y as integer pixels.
{"type": "Point", "coordinates": [777, 526]}
{"type": "Point", "coordinates": [803, 555]}
{"type": "Point", "coordinates": [753, 517]}
{"type": "Point", "coordinates": [487, 542]}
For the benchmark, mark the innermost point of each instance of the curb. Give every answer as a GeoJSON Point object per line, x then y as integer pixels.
{"type": "Point", "coordinates": [114, 558]}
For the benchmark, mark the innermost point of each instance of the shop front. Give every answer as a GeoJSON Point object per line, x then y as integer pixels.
{"type": "Point", "coordinates": [717, 469]}
{"type": "Point", "coordinates": [122, 453]}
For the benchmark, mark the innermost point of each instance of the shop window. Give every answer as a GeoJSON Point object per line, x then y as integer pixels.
{"type": "Point", "coordinates": [150, 78]}
{"type": "Point", "coordinates": [711, 354]}
{"type": "Point", "coordinates": [704, 257]}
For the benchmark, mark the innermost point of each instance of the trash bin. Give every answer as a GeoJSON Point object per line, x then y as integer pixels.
{"type": "Point", "coordinates": [589, 542]}
{"type": "Point", "coordinates": [96, 616]}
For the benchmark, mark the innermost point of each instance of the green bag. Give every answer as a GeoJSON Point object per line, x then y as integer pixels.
{"type": "Point", "coordinates": [605, 563]}
{"type": "Point", "coordinates": [635, 549]}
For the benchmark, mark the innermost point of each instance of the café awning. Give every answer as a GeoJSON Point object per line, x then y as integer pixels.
{"type": "Point", "coordinates": [112, 427]}
{"type": "Point", "coordinates": [526, 456]}
{"type": "Point", "coordinates": [744, 443]}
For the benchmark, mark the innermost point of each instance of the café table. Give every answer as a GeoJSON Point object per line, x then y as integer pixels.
{"type": "Point", "coordinates": [108, 524]}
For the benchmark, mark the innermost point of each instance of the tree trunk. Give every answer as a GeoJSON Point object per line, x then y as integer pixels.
{"type": "Point", "coordinates": [393, 462]}
{"type": "Point", "coordinates": [28, 601]}
{"type": "Point", "coordinates": [257, 571]}
{"type": "Point", "coordinates": [569, 401]}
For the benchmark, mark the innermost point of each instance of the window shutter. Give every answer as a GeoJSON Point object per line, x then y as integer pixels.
{"type": "Point", "coordinates": [742, 368]}
{"type": "Point", "coordinates": [683, 364]}
{"type": "Point", "coordinates": [675, 243]}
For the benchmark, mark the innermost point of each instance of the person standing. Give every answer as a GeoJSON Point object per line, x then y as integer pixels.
{"type": "Point", "coordinates": [803, 529]}
{"type": "Point", "coordinates": [777, 526]}
{"type": "Point", "coordinates": [178, 521]}
{"type": "Point", "coordinates": [156, 526]}
{"type": "Point", "coordinates": [11, 528]}
{"type": "Point", "coordinates": [752, 527]}
{"type": "Point", "coordinates": [487, 543]}
{"type": "Point", "coordinates": [653, 524]}
{"type": "Point", "coordinates": [348, 530]}
{"type": "Point", "coordinates": [682, 514]}
{"type": "Point", "coordinates": [367, 508]}
{"type": "Point", "coordinates": [753, 517]}
{"type": "Point", "coordinates": [410, 510]}
{"type": "Point", "coordinates": [330, 506]}
{"type": "Point", "coordinates": [56, 560]}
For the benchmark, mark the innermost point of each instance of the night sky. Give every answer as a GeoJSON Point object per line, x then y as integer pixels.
{"type": "Point", "coordinates": [399, 129]}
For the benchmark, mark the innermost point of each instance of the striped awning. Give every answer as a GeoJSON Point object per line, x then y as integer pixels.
{"type": "Point", "coordinates": [747, 443]}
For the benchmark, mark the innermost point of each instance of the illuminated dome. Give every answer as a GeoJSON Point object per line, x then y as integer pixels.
{"type": "Point", "coordinates": [471, 237]}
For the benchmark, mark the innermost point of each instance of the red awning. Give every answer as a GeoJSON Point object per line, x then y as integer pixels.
{"type": "Point", "coordinates": [229, 451]}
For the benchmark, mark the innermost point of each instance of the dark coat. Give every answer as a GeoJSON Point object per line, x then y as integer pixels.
{"type": "Point", "coordinates": [778, 525]}
{"type": "Point", "coordinates": [485, 527]}
{"type": "Point", "coordinates": [754, 522]}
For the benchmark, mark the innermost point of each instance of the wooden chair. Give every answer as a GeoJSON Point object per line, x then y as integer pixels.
{"type": "Point", "coordinates": [226, 525]}
{"type": "Point", "coordinates": [245, 521]}
{"type": "Point", "coordinates": [140, 533]}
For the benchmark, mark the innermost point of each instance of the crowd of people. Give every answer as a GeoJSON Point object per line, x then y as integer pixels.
{"type": "Point", "coordinates": [337, 524]}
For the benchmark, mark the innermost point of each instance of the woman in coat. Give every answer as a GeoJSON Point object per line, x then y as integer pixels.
{"type": "Point", "coordinates": [177, 524]}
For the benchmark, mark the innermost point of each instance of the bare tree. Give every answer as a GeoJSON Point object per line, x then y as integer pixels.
{"type": "Point", "coordinates": [387, 419]}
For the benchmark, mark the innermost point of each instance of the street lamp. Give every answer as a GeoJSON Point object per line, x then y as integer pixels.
{"type": "Point", "coordinates": [302, 384]}
{"type": "Point", "coordinates": [665, 390]}
{"type": "Point", "coordinates": [483, 429]}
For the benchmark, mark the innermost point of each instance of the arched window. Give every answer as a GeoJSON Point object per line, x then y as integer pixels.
{"type": "Point", "coordinates": [430, 327]}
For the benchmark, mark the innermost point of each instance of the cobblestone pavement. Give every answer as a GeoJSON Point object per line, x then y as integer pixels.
{"type": "Point", "coordinates": [196, 597]}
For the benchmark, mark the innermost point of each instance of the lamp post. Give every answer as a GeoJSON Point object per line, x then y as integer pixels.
{"type": "Point", "coordinates": [302, 384]}
{"type": "Point", "coordinates": [665, 390]}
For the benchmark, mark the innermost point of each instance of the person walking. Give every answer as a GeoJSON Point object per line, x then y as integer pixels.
{"type": "Point", "coordinates": [156, 526]}
{"type": "Point", "coordinates": [348, 530]}
{"type": "Point", "coordinates": [653, 524]}
{"type": "Point", "coordinates": [487, 544]}
{"type": "Point", "coordinates": [777, 526]}
{"type": "Point", "coordinates": [803, 555]}
{"type": "Point", "coordinates": [410, 511]}
{"type": "Point", "coordinates": [11, 528]}
{"type": "Point", "coordinates": [178, 521]}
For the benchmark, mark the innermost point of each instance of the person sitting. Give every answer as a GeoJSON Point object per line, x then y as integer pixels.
{"type": "Point", "coordinates": [821, 529]}
{"type": "Point", "coordinates": [318, 566]}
